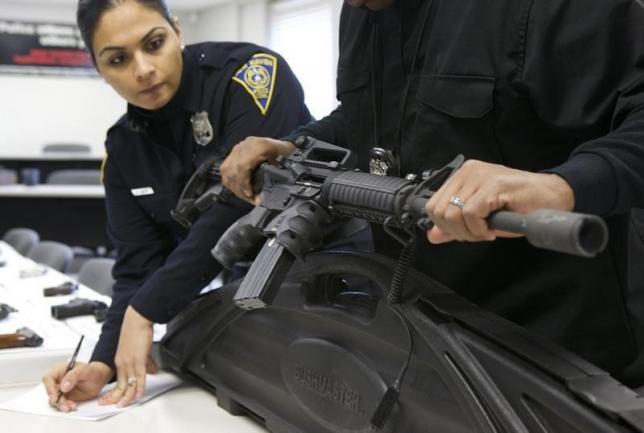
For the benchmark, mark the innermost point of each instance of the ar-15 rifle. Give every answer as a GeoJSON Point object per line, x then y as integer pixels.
{"type": "Point", "coordinates": [23, 337]}
{"type": "Point", "coordinates": [316, 186]}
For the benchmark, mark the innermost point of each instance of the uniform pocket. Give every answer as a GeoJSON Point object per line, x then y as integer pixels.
{"type": "Point", "coordinates": [466, 97]}
{"type": "Point", "coordinates": [456, 115]}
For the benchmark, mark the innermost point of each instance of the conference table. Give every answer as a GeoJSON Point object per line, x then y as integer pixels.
{"type": "Point", "coordinates": [186, 408]}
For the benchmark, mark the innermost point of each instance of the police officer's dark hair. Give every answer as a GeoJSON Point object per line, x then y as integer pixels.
{"type": "Point", "coordinates": [89, 13]}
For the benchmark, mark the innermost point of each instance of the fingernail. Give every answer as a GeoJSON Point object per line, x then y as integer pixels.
{"type": "Point", "coordinates": [65, 386]}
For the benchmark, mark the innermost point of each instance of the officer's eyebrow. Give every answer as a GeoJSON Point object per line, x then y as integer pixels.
{"type": "Point", "coordinates": [143, 39]}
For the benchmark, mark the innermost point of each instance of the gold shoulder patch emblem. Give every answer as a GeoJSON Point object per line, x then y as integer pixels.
{"type": "Point", "coordinates": [257, 76]}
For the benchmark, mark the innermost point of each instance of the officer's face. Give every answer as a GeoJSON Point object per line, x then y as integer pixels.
{"type": "Point", "coordinates": [374, 5]}
{"type": "Point", "coordinates": [139, 54]}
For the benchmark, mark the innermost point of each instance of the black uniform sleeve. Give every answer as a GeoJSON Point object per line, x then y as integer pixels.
{"type": "Point", "coordinates": [142, 247]}
{"type": "Point", "coordinates": [286, 110]}
{"type": "Point", "coordinates": [331, 129]}
{"type": "Point", "coordinates": [588, 74]}
{"type": "Point", "coordinates": [190, 266]}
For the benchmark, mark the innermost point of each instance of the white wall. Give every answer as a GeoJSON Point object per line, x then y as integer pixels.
{"type": "Point", "coordinates": [17, 10]}
{"type": "Point", "coordinates": [35, 110]}
{"type": "Point", "coordinates": [38, 110]}
{"type": "Point", "coordinates": [245, 20]}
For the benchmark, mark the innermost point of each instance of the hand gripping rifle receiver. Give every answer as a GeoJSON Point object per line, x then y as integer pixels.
{"type": "Point", "coordinates": [316, 187]}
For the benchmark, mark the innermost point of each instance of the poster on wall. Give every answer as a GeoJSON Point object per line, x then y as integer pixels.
{"type": "Point", "coordinates": [28, 48]}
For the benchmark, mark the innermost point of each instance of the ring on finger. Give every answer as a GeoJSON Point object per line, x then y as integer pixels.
{"type": "Point", "coordinates": [131, 381]}
{"type": "Point", "coordinates": [456, 201]}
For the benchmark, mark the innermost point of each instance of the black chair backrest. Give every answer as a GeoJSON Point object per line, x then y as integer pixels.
{"type": "Point", "coordinates": [66, 147]}
{"type": "Point", "coordinates": [75, 177]}
{"type": "Point", "coordinates": [8, 176]}
{"type": "Point", "coordinates": [21, 239]}
{"type": "Point", "coordinates": [53, 254]}
{"type": "Point", "coordinates": [97, 274]}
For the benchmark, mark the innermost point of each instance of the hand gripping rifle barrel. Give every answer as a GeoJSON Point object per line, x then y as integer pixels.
{"type": "Point", "coordinates": [399, 202]}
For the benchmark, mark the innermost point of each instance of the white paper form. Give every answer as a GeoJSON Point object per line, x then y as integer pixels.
{"type": "Point", "coordinates": [36, 402]}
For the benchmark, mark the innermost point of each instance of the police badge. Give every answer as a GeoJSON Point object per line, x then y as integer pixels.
{"type": "Point", "coordinates": [383, 162]}
{"type": "Point", "coordinates": [201, 128]}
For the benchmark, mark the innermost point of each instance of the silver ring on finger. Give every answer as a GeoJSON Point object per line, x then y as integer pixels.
{"type": "Point", "coordinates": [131, 381]}
{"type": "Point", "coordinates": [456, 201]}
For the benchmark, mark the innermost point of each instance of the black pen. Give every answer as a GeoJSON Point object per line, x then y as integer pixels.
{"type": "Point", "coordinates": [71, 364]}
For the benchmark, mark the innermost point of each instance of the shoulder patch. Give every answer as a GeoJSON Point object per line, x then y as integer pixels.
{"type": "Point", "coordinates": [257, 77]}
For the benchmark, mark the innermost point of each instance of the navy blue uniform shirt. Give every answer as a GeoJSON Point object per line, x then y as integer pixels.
{"type": "Point", "coordinates": [554, 85]}
{"type": "Point", "coordinates": [246, 90]}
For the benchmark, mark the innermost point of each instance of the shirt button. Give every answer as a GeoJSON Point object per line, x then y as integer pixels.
{"type": "Point", "coordinates": [202, 56]}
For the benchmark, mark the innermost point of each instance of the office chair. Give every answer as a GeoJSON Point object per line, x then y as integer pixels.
{"type": "Point", "coordinates": [66, 147]}
{"type": "Point", "coordinates": [96, 274]}
{"type": "Point", "coordinates": [74, 177]}
{"type": "Point", "coordinates": [53, 254]}
{"type": "Point", "coordinates": [8, 176]}
{"type": "Point", "coordinates": [21, 239]}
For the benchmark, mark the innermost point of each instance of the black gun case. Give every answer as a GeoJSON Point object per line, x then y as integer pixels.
{"type": "Point", "coordinates": [321, 357]}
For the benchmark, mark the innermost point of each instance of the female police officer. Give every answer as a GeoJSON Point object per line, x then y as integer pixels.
{"type": "Point", "coordinates": [184, 105]}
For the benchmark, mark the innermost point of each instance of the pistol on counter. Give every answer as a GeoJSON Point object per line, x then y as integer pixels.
{"type": "Point", "coordinates": [66, 288]}
{"type": "Point", "coordinates": [79, 307]}
{"type": "Point", "coordinates": [23, 337]}
{"type": "Point", "coordinates": [5, 310]}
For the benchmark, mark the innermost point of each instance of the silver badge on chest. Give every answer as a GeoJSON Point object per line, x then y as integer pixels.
{"type": "Point", "coordinates": [201, 128]}
{"type": "Point", "coordinates": [383, 162]}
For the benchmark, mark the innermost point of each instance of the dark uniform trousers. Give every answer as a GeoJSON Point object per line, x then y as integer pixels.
{"type": "Point", "coordinates": [161, 266]}
{"type": "Point", "coordinates": [553, 85]}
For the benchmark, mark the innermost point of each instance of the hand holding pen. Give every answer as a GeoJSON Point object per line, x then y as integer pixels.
{"type": "Point", "coordinates": [70, 366]}
{"type": "Point", "coordinates": [76, 381]}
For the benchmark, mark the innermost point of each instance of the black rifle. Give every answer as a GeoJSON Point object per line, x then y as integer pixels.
{"type": "Point", "coordinates": [5, 310]}
{"type": "Point", "coordinates": [203, 188]}
{"type": "Point", "coordinates": [316, 187]}
{"type": "Point", "coordinates": [79, 307]}
{"type": "Point", "coordinates": [66, 288]}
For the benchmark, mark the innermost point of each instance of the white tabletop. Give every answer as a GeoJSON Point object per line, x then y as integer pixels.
{"type": "Point", "coordinates": [53, 191]}
{"type": "Point", "coordinates": [185, 409]}
{"type": "Point", "coordinates": [188, 408]}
